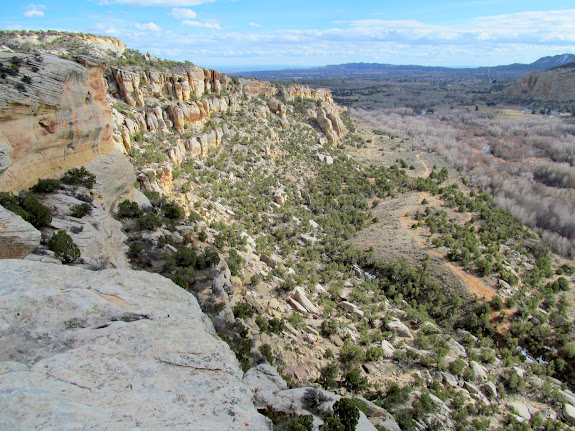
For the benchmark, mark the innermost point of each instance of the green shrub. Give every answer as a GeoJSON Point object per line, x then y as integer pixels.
{"type": "Point", "coordinates": [173, 211]}
{"type": "Point", "coordinates": [243, 309]}
{"type": "Point", "coordinates": [276, 325]}
{"type": "Point", "coordinates": [347, 412]}
{"type": "Point", "coordinates": [234, 262]}
{"type": "Point", "coordinates": [457, 367]}
{"type": "Point", "coordinates": [138, 249]}
{"type": "Point", "coordinates": [374, 353]}
{"type": "Point", "coordinates": [185, 277]}
{"type": "Point", "coordinates": [296, 320]}
{"type": "Point", "coordinates": [351, 355]}
{"type": "Point", "coordinates": [148, 221]}
{"type": "Point", "coordinates": [569, 351]}
{"type": "Point", "coordinates": [262, 323]}
{"type": "Point", "coordinates": [46, 185]}
{"type": "Point", "coordinates": [329, 327]}
{"type": "Point", "coordinates": [288, 421]}
{"type": "Point", "coordinates": [184, 258]}
{"type": "Point", "coordinates": [354, 381]}
{"type": "Point", "coordinates": [194, 217]}
{"type": "Point", "coordinates": [62, 245]}
{"type": "Point", "coordinates": [127, 209]}
{"type": "Point", "coordinates": [496, 303]}
{"type": "Point", "coordinates": [211, 256]}
{"type": "Point", "coordinates": [266, 351]}
{"type": "Point", "coordinates": [37, 214]}
{"type": "Point", "coordinates": [79, 177]}
{"type": "Point", "coordinates": [80, 210]}
{"type": "Point", "coordinates": [12, 203]}
{"type": "Point", "coordinates": [328, 376]}
{"type": "Point", "coordinates": [256, 279]}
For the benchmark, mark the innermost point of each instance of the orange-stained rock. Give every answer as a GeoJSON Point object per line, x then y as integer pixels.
{"type": "Point", "coordinates": [60, 120]}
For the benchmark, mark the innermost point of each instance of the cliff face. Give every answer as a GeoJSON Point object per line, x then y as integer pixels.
{"type": "Point", "coordinates": [556, 85]}
{"type": "Point", "coordinates": [170, 102]}
{"type": "Point", "coordinates": [53, 115]}
{"type": "Point", "coordinates": [121, 349]}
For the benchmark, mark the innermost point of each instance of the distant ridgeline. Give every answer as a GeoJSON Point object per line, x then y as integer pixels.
{"type": "Point", "coordinates": [382, 71]}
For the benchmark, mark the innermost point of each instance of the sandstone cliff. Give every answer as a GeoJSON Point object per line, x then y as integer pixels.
{"type": "Point", "coordinates": [53, 115]}
{"type": "Point", "coordinates": [115, 349]}
{"type": "Point", "coordinates": [119, 349]}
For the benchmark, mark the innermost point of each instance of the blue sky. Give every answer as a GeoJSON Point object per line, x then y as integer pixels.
{"type": "Point", "coordinates": [227, 33]}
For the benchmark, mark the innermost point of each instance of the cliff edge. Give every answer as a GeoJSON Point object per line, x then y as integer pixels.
{"type": "Point", "coordinates": [114, 349]}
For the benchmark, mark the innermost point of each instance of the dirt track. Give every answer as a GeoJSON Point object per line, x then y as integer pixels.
{"type": "Point", "coordinates": [393, 238]}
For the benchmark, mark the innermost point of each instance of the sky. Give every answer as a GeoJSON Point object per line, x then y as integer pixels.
{"type": "Point", "coordinates": [228, 34]}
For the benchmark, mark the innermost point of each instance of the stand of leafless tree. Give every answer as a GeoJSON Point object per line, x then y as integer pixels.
{"type": "Point", "coordinates": [527, 163]}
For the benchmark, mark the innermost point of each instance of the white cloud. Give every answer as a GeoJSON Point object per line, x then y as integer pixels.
{"type": "Point", "coordinates": [481, 41]}
{"type": "Point", "coordinates": [533, 27]}
{"type": "Point", "coordinates": [34, 10]}
{"type": "Point", "coordinates": [182, 13]}
{"type": "Point", "coordinates": [158, 3]}
{"type": "Point", "coordinates": [254, 24]}
{"type": "Point", "coordinates": [148, 26]}
{"type": "Point", "coordinates": [201, 24]}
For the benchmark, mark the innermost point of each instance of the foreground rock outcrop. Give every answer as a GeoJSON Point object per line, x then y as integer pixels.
{"type": "Point", "coordinates": [115, 349]}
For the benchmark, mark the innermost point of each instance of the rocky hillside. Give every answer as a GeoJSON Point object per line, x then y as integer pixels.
{"type": "Point", "coordinates": [233, 195]}
{"type": "Point", "coordinates": [556, 85]}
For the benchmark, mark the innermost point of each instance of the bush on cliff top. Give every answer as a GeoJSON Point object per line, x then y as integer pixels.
{"type": "Point", "coordinates": [46, 185]}
{"type": "Point", "coordinates": [63, 246]}
{"type": "Point", "coordinates": [28, 208]}
{"type": "Point", "coordinates": [79, 177]}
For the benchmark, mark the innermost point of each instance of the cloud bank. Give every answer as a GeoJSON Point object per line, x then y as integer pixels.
{"type": "Point", "coordinates": [491, 40]}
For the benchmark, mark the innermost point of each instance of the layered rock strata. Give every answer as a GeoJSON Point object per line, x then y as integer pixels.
{"type": "Point", "coordinates": [54, 118]}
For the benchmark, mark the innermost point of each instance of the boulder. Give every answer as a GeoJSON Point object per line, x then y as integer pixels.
{"type": "Point", "coordinates": [476, 393]}
{"type": "Point", "coordinates": [521, 410]}
{"type": "Point", "coordinates": [569, 396]}
{"type": "Point", "coordinates": [399, 327]}
{"type": "Point", "coordinates": [450, 379]}
{"type": "Point", "coordinates": [456, 350]}
{"type": "Point", "coordinates": [17, 236]}
{"type": "Point", "coordinates": [347, 306]}
{"type": "Point", "coordinates": [264, 380]}
{"type": "Point", "coordinates": [300, 296]}
{"type": "Point", "coordinates": [296, 305]}
{"type": "Point", "coordinates": [569, 413]}
{"type": "Point", "coordinates": [490, 390]}
{"type": "Point", "coordinates": [479, 371]}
